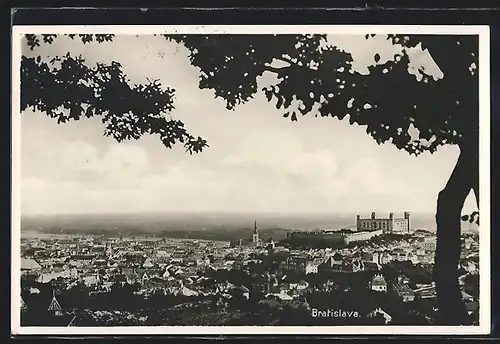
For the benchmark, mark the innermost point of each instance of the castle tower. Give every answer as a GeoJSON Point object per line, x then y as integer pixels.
{"type": "Point", "coordinates": [407, 218]}
{"type": "Point", "coordinates": [255, 237]}
{"type": "Point", "coordinates": [373, 216]}
{"type": "Point", "coordinates": [391, 222]}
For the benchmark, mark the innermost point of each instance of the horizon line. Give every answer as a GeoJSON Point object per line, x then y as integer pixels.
{"type": "Point", "coordinates": [220, 212]}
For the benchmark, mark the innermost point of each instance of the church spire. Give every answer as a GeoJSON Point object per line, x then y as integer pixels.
{"type": "Point", "coordinates": [255, 237]}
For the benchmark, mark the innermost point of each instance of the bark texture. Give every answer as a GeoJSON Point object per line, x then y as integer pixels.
{"type": "Point", "coordinates": [464, 178]}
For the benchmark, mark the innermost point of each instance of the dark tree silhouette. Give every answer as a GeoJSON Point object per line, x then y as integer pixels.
{"type": "Point", "coordinates": [66, 88]}
{"type": "Point", "coordinates": [317, 78]}
{"type": "Point", "coordinates": [314, 78]}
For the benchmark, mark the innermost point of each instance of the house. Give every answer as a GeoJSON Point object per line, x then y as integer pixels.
{"type": "Point", "coordinates": [385, 258]}
{"type": "Point", "coordinates": [148, 263]}
{"type": "Point", "coordinates": [429, 244]}
{"type": "Point", "coordinates": [118, 279]}
{"type": "Point", "coordinates": [145, 277]}
{"type": "Point", "coordinates": [302, 285]}
{"type": "Point", "coordinates": [34, 290]}
{"type": "Point", "coordinates": [335, 267]}
{"type": "Point", "coordinates": [284, 296]}
{"type": "Point", "coordinates": [371, 266]}
{"type": "Point", "coordinates": [91, 280]}
{"type": "Point", "coordinates": [335, 259]}
{"type": "Point", "coordinates": [467, 243]}
{"type": "Point", "coordinates": [312, 266]}
{"type": "Point", "coordinates": [131, 276]}
{"type": "Point", "coordinates": [185, 291]}
{"type": "Point", "coordinates": [400, 255]}
{"type": "Point", "coordinates": [367, 256]}
{"type": "Point", "coordinates": [468, 265]}
{"type": "Point", "coordinates": [357, 265]}
{"type": "Point", "coordinates": [380, 311]}
{"type": "Point", "coordinates": [378, 283]}
{"type": "Point", "coordinates": [29, 264]}
{"type": "Point", "coordinates": [154, 283]}
{"type": "Point", "coordinates": [415, 259]}
{"type": "Point", "coordinates": [47, 277]}
{"type": "Point", "coordinates": [294, 264]}
{"type": "Point", "coordinates": [425, 291]}
{"type": "Point", "coordinates": [404, 292]}
{"type": "Point", "coordinates": [403, 279]}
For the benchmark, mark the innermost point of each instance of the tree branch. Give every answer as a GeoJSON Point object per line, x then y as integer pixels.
{"type": "Point", "coordinates": [449, 205]}
{"type": "Point", "coordinates": [274, 69]}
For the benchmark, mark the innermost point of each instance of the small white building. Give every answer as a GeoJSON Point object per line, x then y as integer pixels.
{"type": "Point", "coordinates": [378, 283]}
{"type": "Point", "coordinates": [380, 311]}
{"type": "Point", "coordinates": [312, 266]}
{"type": "Point", "coordinates": [429, 244]}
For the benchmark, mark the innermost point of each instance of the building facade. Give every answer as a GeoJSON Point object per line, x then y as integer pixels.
{"type": "Point", "coordinates": [386, 225]}
{"type": "Point", "coordinates": [429, 244]}
{"type": "Point", "coordinates": [404, 292]}
{"type": "Point", "coordinates": [296, 264]}
{"type": "Point", "coordinates": [378, 283]}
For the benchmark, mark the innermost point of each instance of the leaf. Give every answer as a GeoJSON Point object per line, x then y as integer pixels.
{"type": "Point", "coordinates": [269, 94]}
{"type": "Point", "coordinates": [279, 103]}
{"type": "Point", "coordinates": [294, 117]}
{"type": "Point", "coordinates": [377, 57]}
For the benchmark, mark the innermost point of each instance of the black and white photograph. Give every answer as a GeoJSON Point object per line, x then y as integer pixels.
{"type": "Point", "coordinates": [251, 179]}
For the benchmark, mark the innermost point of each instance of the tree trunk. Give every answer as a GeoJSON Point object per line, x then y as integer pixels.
{"type": "Point", "coordinates": [465, 176]}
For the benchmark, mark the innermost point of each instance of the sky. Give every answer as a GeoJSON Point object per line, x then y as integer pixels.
{"type": "Point", "coordinates": [257, 161]}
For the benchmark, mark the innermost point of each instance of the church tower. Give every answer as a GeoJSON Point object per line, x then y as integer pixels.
{"type": "Point", "coordinates": [255, 237]}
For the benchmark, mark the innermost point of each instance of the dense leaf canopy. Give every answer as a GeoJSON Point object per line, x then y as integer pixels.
{"type": "Point", "coordinates": [314, 78]}
{"type": "Point", "coordinates": [389, 101]}
{"type": "Point", "coordinates": [66, 88]}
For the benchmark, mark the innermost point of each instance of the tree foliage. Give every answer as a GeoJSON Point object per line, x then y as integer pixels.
{"type": "Point", "coordinates": [66, 88]}
{"type": "Point", "coordinates": [318, 76]}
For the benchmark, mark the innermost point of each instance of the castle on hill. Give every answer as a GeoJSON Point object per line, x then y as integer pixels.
{"type": "Point", "coordinates": [386, 225]}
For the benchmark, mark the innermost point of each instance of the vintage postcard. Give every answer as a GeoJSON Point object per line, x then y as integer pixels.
{"type": "Point", "coordinates": [251, 180]}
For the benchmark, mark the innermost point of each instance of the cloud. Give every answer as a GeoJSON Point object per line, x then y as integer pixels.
{"type": "Point", "coordinates": [80, 161]}
{"type": "Point", "coordinates": [266, 170]}
{"type": "Point", "coordinates": [257, 160]}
